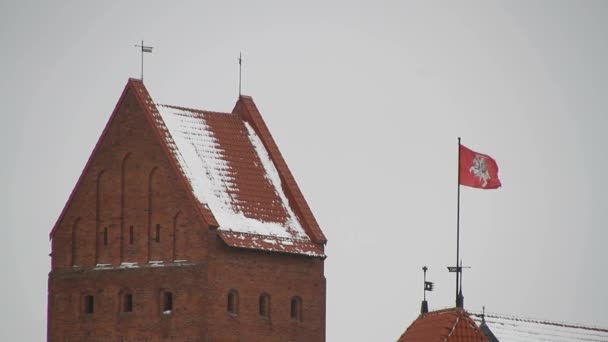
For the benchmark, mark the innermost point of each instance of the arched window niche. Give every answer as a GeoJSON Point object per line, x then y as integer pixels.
{"type": "Point", "coordinates": [264, 305]}
{"type": "Point", "coordinates": [233, 302]}
{"type": "Point", "coordinates": [296, 309]}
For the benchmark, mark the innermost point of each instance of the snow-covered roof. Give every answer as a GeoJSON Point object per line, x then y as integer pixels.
{"type": "Point", "coordinates": [219, 153]}
{"type": "Point", "coordinates": [233, 175]}
{"type": "Point", "coordinates": [509, 328]}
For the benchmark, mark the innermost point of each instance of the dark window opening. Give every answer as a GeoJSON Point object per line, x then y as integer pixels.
{"type": "Point", "coordinates": [157, 232]}
{"type": "Point", "coordinates": [167, 302]}
{"type": "Point", "coordinates": [89, 304]}
{"type": "Point", "coordinates": [127, 303]}
{"type": "Point", "coordinates": [296, 308]}
{"type": "Point", "coordinates": [264, 308]}
{"type": "Point", "coordinates": [131, 235]}
{"type": "Point", "coordinates": [105, 236]}
{"type": "Point", "coordinates": [233, 302]}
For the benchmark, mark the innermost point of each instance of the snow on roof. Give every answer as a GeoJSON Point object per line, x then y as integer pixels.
{"type": "Point", "coordinates": [508, 328]}
{"type": "Point", "coordinates": [269, 243]}
{"type": "Point", "coordinates": [231, 173]}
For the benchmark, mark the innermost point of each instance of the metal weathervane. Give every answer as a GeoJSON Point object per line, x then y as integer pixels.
{"type": "Point", "coordinates": [458, 269]}
{"type": "Point", "coordinates": [147, 49]}
{"type": "Point", "coordinates": [428, 285]}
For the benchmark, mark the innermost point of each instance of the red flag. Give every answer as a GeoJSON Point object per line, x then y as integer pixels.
{"type": "Point", "coordinates": [478, 170]}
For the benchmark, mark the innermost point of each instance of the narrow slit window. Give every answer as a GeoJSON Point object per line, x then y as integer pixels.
{"type": "Point", "coordinates": [233, 302]}
{"type": "Point", "coordinates": [296, 309]}
{"type": "Point", "coordinates": [89, 304]}
{"type": "Point", "coordinates": [167, 302]}
{"type": "Point", "coordinates": [264, 308]}
{"type": "Point", "coordinates": [105, 236]}
{"type": "Point", "coordinates": [127, 303]}
{"type": "Point", "coordinates": [131, 235]}
{"type": "Point", "coordinates": [157, 232]}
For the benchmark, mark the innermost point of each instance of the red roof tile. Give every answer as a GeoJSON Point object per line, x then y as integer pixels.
{"type": "Point", "coordinates": [450, 325]}
{"type": "Point", "coordinates": [272, 244]}
{"type": "Point", "coordinates": [253, 193]}
{"type": "Point", "coordinates": [247, 109]}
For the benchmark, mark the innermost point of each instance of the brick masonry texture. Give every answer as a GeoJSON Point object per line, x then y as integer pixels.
{"type": "Point", "coordinates": [130, 182]}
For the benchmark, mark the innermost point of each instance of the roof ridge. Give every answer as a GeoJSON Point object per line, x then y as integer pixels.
{"type": "Point", "coordinates": [195, 110]}
{"type": "Point", "coordinates": [442, 310]}
{"type": "Point", "coordinates": [453, 327]}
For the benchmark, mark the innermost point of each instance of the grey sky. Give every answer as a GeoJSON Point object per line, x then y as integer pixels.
{"type": "Point", "coordinates": [365, 100]}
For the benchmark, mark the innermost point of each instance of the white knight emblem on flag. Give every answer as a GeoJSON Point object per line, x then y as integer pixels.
{"type": "Point", "coordinates": [480, 169]}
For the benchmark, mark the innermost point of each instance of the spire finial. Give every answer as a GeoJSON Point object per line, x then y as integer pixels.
{"type": "Point", "coordinates": [240, 67]}
{"type": "Point", "coordinates": [147, 49]}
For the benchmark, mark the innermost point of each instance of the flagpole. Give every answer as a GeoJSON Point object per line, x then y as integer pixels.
{"type": "Point", "coordinates": [458, 304]}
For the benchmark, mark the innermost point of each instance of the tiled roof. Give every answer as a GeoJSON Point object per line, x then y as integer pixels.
{"type": "Point", "coordinates": [231, 172]}
{"type": "Point", "coordinates": [450, 325]}
{"type": "Point", "coordinates": [508, 328]}
{"type": "Point", "coordinates": [247, 110]}
{"type": "Point", "coordinates": [271, 243]}
{"type": "Point", "coordinates": [235, 174]}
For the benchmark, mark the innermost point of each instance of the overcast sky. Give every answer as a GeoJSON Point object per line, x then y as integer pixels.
{"type": "Point", "coordinates": [366, 100]}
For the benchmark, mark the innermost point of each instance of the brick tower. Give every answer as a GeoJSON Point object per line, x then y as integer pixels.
{"type": "Point", "coordinates": [186, 225]}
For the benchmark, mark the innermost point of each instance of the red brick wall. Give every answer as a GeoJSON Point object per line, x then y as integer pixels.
{"type": "Point", "coordinates": [131, 182]}
{"type": "Point", "coordinates": [253, 273]}
{"type": "Point", "coordinates": [199, 300]}
{"type": "Point", "coordinates": [108, 323]}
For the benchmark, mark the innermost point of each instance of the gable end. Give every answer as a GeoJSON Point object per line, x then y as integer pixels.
{"type": "Point", "coordinates": [149, 109]}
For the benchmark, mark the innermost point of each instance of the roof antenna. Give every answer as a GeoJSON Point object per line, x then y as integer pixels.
{"type": "Point", "coordinates": [147, 49]}
{"type": "Point", "coordinates": [240, 67]}
{"type": "Point", "coordinates": [428, 286]}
